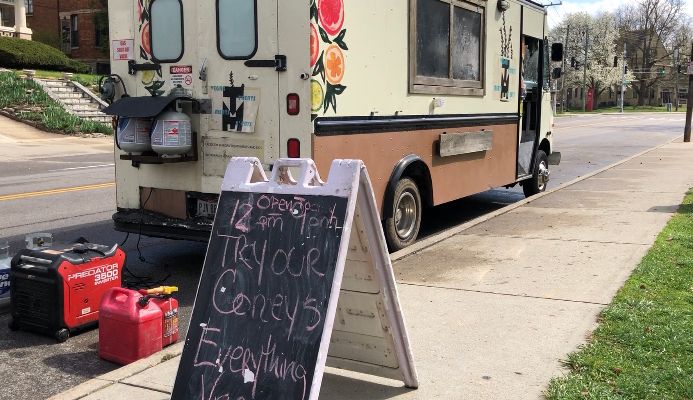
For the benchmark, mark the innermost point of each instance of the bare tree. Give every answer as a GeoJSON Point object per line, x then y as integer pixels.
{"type": "Point", "coordinates": [649, 28]}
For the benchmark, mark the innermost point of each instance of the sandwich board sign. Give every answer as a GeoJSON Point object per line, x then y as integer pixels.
{"type": "Point", "coordinates": [296, 276]}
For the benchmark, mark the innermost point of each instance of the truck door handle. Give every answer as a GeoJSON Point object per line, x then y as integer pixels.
{"type": "Point", "coordinates": [279, 63]}
{"type": "Point", "coordinates": [133, 67]}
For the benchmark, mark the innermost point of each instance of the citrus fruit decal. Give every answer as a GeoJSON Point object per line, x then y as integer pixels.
{"type": "Point", "coordinates": [317, 95]}
{"type": "Point", "coordinates": [314, 45]}
{"type": "Point", "coordinates": [150, 79]}
{"type": "Point", "coordinates": [331, 13]}
{"type": "Point", "coordinates": [334, 64]}
{"type": "Point", "coordinates": [327, 57]}
{"type": "Point", "coordinates": [147, 77]}
{"type": "Point", "coordinates": [146, 41]}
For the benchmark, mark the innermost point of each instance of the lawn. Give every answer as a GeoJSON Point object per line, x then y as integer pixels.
{"type": "Point", "coordinates": [26, 100]}
{"type": "Point", "coordinates": [89, 80]}
{"type": "Point", "coordinates": [643, 347]}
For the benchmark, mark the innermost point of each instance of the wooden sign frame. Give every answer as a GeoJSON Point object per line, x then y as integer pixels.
{"type": "Point", "coordinates": [370, 334]}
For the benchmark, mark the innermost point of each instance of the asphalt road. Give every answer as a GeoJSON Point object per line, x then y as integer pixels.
{"type": "Point", "coordinates": [34, 196]}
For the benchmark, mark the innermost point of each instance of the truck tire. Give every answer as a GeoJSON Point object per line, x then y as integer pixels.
{"type": "Point", "coordinates": [537, 183]}
{"type": "Point", "coordinates": [402, 228]}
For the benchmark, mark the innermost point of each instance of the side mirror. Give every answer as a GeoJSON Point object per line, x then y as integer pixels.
{"type": "Point", "coordinates": [557, 52]}
{"type": "Point", "coordinates": [557, 72]}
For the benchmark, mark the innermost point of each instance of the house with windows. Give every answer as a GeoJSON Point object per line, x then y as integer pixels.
{"type": "Point", "coordinates": [78, 27]}
{"type": "Point", "coordinates": [13, 21]}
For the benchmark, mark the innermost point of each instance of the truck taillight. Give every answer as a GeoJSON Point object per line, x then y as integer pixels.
{"type": "Point", "coordinates": [293, 104]}
{"type": "Point", "coordinates": [293, 148]}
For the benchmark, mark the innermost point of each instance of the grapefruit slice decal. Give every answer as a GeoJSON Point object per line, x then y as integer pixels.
{"type": "Point", "coordinates": [331, 13]}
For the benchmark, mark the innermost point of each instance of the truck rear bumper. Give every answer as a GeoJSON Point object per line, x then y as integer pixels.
{"type": "Point", "coordinates": [157, 225]}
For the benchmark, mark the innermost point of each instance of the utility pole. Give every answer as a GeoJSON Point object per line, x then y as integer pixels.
{"type": "Point", "coordinates": [623, 75]}
{"type": "Point", "coordinates": [689, 105]}
{"type": "Point", "coordinates": [565, 70]}
{"type": "Point", "coordinates": [675, 69]}
{"type": "Point", "coordinates": [584, 73]}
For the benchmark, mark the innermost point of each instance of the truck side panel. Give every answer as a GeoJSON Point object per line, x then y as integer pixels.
{"type": "Point", "coordinates": [452, 177]}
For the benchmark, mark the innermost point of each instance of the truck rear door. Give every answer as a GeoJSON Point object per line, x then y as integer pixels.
{"type": "Point", "coordinates": [222, 52]}
{"type": "Point", "coordinates": [242, 81]}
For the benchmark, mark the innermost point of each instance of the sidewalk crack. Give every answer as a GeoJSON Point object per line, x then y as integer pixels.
{"type": "Point", "coordinates": [555, 239]}
{"type": "Point", "coordinates": [501, 293]}
{"type": "Point", "coordinates": [145, 387]}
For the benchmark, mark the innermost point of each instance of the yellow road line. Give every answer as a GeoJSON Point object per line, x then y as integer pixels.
{"type": "Point", "coordinates": [19, 196]}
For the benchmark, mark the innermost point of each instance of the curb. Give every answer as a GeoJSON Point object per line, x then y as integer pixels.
{"type": "Point", "coordinates": [116, 376]}
{"type": "Point", "coordinates": [432, 240]}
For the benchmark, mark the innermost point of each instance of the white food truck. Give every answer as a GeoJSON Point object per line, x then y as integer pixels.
{"type": "Point", "coordinates": [441, 99]}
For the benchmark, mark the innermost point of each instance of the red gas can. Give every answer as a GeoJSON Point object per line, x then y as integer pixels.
{"type": "Point", "coordinates": [169, 309]}
{"type": "Point", "coordinates": [128, 330]}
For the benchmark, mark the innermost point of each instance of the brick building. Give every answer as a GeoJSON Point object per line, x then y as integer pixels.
{"type": "Point", "coordinates": [78, 27]}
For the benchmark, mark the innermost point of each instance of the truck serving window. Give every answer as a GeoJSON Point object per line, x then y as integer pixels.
{"type": "Point", "coordinates": [237, 29]}
{"type": "Point", "coordinates": [166, 29]}
{"type": "Point", "coordinates": [446, 46]}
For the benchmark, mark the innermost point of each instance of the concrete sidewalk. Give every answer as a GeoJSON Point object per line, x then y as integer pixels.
{"type": "Point", "coordinates": [493, 309]}
{"type": "Point", "coordinates": [21, 141]}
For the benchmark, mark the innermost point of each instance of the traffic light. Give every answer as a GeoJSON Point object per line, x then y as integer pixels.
{"type": "Point", "coordinates": [615, 61]}
{"type": "Point", "coordinates": [661, 71]}
{"type": "Point", "coordinates": [625, 69]}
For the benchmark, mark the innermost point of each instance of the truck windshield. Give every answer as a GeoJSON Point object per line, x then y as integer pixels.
{"type": "Point", "coordinates": [167, 30]}
{"type": "Point", "coordinates": [236, 28]}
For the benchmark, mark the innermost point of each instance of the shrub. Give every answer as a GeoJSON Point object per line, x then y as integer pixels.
{"type": "Point", "coordinates": [20, 54]}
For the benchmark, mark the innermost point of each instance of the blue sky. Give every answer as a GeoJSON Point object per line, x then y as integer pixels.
{"type": "Point", "coordinates": [557, 13]}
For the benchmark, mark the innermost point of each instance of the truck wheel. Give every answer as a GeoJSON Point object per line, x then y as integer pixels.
{"type": "Point", "coordinates": [62, 335]}
{"type": "Point", "coordinates": [537, 183]}
{"type": "Point", "coordinates": [402, 228]}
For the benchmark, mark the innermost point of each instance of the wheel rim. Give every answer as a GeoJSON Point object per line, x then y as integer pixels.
{"type": "Point", "coordinates": [405, 215]}
{"type": "Point", "coordinates": [543, 176]}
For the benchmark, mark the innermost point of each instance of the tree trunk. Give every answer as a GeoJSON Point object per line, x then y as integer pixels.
{"type": "Point", "coordinates": [642, 93]}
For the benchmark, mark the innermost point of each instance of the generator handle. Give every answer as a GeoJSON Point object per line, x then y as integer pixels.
{"type": "Point", "coordinates": [36, 260]}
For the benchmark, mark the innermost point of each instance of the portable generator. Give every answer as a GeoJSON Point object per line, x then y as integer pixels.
{"type": "Point", "coordinates": [57, 290]}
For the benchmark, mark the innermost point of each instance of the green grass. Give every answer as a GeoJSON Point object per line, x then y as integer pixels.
{"type": "Point", "coordinates": [89, 80]}
{"type": "Point", "coordinates": [643, 347]}
{"type": "Point", "coordinates": [28, 101]}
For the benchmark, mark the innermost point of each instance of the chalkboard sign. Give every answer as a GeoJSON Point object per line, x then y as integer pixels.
{"type": "Point", "coordinates": [265, 306]}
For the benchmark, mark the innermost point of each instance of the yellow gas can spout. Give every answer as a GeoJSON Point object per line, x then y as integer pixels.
{"type": "Point", "coordinates": [165, 290]}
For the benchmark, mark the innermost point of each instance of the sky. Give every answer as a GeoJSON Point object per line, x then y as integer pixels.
{"type": "Point", "coordinates": [556, 13]}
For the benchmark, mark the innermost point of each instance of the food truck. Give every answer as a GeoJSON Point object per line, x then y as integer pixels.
{"type": "Point", "coordinates": [441, 99]}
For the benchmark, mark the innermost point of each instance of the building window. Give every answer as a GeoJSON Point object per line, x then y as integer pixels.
{"type": "Point", "coordinates": [101, 29]}
{"type": "Point", "coordinates": [29, 4]}
{"type": "Point", "coordinates": [236, 28]}
{"type": "Point", "coordinates": [446, 47]}
{"type": "Point", "coordinates": [74, 31]}
{"type": "Point", "coordinates": [166, 29]}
